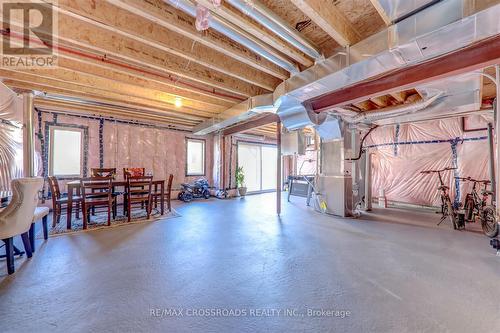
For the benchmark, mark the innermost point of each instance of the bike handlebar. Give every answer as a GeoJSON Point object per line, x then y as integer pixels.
{"type": "Point", "coordinates": [474, 180]}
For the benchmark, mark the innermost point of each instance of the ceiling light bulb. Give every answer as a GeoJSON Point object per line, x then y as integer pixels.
{"type": "Point", "coordinates": [178, 102]}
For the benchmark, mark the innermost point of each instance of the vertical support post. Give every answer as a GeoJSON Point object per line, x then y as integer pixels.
{"type": "Point", "coordinates": [497, 133]}
{"type": "Point", "coordinates": [368, 180]}
{"type": "Point", "coordinates": [278, 167]}
{"type": "Point", "coordinates": [223, 162]}
{"type": "Point", "coordinates": [491, 165]}
{"type": "Point", "coordinates": [28, 136]}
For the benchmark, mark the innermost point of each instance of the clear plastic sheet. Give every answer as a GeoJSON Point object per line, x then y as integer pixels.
{"type": "Point", "coordinates": [396, 168]}
{"type": "Point", "coordinates": [11, 137]}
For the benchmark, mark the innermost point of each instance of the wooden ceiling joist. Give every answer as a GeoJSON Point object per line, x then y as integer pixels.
{"type": "Point", "coordinates": [133, 26]}
{"type": "Point", "coordinates": [80, 33]}
{"type": "Point", "coordinates": [76, 77]}
{"type": "Point", "coordinates": [114, 112]}
{"type": "Point", "coordinates": [142, 79]}
{"type": "Point", "coordinates": [31, 82]}
{"type": "Point", "coordinates": [380, 10]}
{"type": "Point", "coordinates": [330, 19]}
{"type": "Point", "coordinates": [175, 20]}
{"type": "Point", "coordinates": [237, 18]}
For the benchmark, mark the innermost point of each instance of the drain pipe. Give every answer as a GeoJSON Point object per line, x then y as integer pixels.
{"type": "Point", "coordinates": [260, 13]}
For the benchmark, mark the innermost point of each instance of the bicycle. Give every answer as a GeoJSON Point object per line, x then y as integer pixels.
{"type": "Point", "coordinates": [477, 206]}
{"type": "Point", "coordinates": [447, 208]}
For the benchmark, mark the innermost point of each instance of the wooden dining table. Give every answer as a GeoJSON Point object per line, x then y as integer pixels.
{"type": "Point", "coordinates": [74, 189]}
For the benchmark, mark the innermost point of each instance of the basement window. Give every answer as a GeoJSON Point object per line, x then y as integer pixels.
{"type": "Point", "coordinates": [65, 151]}
{"type": "Point", "coordinates": [195, 159]}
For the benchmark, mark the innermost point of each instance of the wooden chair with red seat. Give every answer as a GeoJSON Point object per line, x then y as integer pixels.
{"type": "Point", "coordinates": [97, 192]}
{"type": "Point", "coordinates": [136, 172]}
{"type": "Point", "coordinates": [59, 199]}
{"type": "Point", "coordinates": [167, 194]}
{"type": "Point", "coordinates": [139, 191]}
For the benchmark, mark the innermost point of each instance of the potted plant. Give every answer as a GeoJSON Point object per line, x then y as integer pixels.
{"type": "Point", "coordinates": [240, 181]}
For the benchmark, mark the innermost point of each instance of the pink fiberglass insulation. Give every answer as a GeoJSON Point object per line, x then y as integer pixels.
{"type": "Point", "coordinates": [160, 151]}
{"type": "Point", "coordinates": [425, 146]}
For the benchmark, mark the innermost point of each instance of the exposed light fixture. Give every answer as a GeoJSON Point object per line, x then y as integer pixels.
{"type": "Point", "coordinates": [178, 102]}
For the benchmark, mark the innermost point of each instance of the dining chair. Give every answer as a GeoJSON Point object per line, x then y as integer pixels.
{"type": "Point", "coordinates": [139, 191]}
{"type": "Point", "coordinates": [59, 199]}
{"type": "Point", "coordinates": [17, 217]}
{"type": "Point", "coordinates": [103, 172]}
{"type": "Point", "coordinates": [103, 198]}
{"type": "Point", "coordinates": [127, 172]}
{"type": "Point", "coordinates": [167, 194]}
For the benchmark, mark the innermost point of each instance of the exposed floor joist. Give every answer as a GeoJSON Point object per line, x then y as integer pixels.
{"type": "Point", "coordinates": [83, 34]}
{"type": "Point", "coordinates": [175, 20]}
{"type": "Point", "coordinates": [330, 19]}
{"type": "Point", "coordinates": [66, 89]}
{"type": "Point", "coordinates": [127, 91]}
{"type": "Point", "coordinates": [234, 16]}
{"type": "Point", "coordinates": [380, 10]}
{"type": "Point", "coordinates": [133, 26]}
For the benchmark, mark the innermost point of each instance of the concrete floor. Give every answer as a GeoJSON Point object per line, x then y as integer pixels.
{"type": "Point", "coordinates": [393, 272]}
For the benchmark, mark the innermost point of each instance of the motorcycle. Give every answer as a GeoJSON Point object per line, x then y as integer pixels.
{"type": "Point", "coordinates": [200, 189]}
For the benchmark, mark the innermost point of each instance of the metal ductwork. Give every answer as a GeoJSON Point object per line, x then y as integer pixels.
{"type": "Point", "coordinates": [430, 33]}
{"type": "Point", "coordinates": [238, 35]}
{"type": "Point", "coordinates": [237, 113]}
{"type": "Point", "coordinates": [397, 10]}
{"type": "Point", "coordinates": [256, 10]}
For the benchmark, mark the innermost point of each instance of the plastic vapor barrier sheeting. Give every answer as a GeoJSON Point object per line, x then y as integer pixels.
{"type": "Point", "coordinates": [11, 137]}
{"type": "Point", "coordinates": [401, 152]}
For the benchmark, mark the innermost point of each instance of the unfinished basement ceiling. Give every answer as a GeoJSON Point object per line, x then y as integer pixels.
{"type": "Point", "coordinates": [141, 59]}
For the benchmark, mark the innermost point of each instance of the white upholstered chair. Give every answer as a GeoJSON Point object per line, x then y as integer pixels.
{"type": "Point", "coordinates": [17, 217]}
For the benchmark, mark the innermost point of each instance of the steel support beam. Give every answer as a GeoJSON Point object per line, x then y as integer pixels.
{"type": "Point", "coordinates": [278, 167]}
{"type": "Point", "coordinates": [496, 189]}
{"type": "Point", "coordinates": [368, 180]}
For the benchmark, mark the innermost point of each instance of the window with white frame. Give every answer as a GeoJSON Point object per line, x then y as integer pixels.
{"type": "Point", "coordinates": [66, 151]}
{"type": "Point", "coordinates": [195, 159]}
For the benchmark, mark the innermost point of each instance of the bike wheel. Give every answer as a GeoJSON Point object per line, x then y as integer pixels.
{"type": "Point", "coordinates": [469, 208]}
{"type": "Point", "coordinates": [489, 222]}
{"type": "Point", "coordinates": [451, 214]}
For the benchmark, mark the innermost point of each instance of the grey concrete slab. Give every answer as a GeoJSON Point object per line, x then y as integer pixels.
{"type": "Point", "coordinates": [230, 266]}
